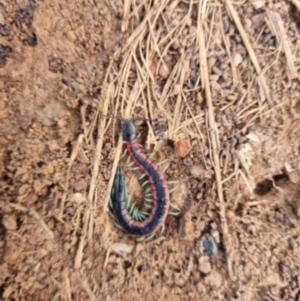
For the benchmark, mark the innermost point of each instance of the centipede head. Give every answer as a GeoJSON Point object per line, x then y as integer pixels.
{"type": "Point", "coordinates": [129, 130]}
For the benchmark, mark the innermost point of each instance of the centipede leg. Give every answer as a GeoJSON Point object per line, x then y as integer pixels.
{"type": "Point", "coordinates": [140, 239]}
{"type": "Point", "coordinates": [145, 183]}
{"type": "Point", "coordinates": [163, 228]}
{"type": "Point", "coordinates": [148, 194]}
{"type": "Point", "coordinates": [139, 215]}
{"type": "Point", "coordinates": [148, 203]}
{"type": "Point", "coordinates": [149, 237]}
{"type": "Point", "coordinates": [173, 189]}
{"type": "Point", "coordinates": [166, 168]}
{"type": "Point", "coordinates": [142, 176]}
{"type": "Point", "coordinates": [176, 212]}
{"type": "Point", "coordinates": [148, 190]}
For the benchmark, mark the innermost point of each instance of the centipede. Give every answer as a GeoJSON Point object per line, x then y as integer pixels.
{"type": "Point", "coordinates": [160, 192]}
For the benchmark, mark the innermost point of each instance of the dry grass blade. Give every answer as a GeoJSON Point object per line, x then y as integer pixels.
{"type": "Point", "coordinates": [213, 133]}
{"type": "Point", "coordinates": [161, 108]}
{"type": "Point", "coordinates": [74, 155]}
{"type": "Point", "coordinates": [126, 10]}
{"type": "Point", "coordinates": [278, 28]}
{"type": "Point", "coordinates": [88, 215]}
{"type": "Point", "coordinates": [85, 285]}
{"type": "Point", "coordinates": [67, 286]}
{"type": "Point", "coordinates": [296, 3]}
{"type": "Point", "coordinates": [227, 47]}
{"type": "Point", "coordinates": [178, 105]}
{"type": "Point", "coordinates": [139, 32]}
{"type": "Point", "coordinates": [250, 50]}
{"type": "Point", "coordinates": [35, 215]}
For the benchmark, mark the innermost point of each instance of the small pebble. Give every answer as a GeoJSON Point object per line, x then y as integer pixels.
{"type": "Point", "coordinates": [199, 98]}
{"type": "Point", "coordinates": [71, 211]}
{"type": "Point", "coordinates": [183, 147]}
{"type": "Point", "coordinates": [210, 245]}
{"type": "Point", "coordinates": [237, 59]}
{"type": "Point", "coordinates": [153, 68]}
{"type": "Point", "coordinates": [214, 279]}
{"type": "Point", "coordinates": [54, 146]}
{"type": "Point", "coordinates": [204, 266]}
{"type": "Point", "coordinates": [199, 195]}
{"type": "Point", "coordinates": [258, 4]}
{"type": "Point", "coordinates": [80, 185]}
{"type": "Point", "coordinates": [164, 71]}
{"type": "Point", "coordinates": [34, 239]}
{"type": "Point", "coordinates": [2, 20]}
{"type": "Point", "coordinates": [188, 161]}
{"type": "Point", "coordinates": [11, 255]}
{"type": "Point", "coordinates": [9, 222]}
{"type": "Point", "coordinates": [196, 171]}
{"type": "Point", "coordinates": [51, 223]}
{"type": "Point", "coordinates": [122, 248]}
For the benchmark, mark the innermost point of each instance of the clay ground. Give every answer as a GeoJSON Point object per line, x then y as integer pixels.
{"type": "Point", "coordinates": [219, 81]}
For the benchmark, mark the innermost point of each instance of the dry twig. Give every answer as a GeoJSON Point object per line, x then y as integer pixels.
{"type": "Point", "coordinates": [213, 132]}
{"type": "Point", "coordinates": [296, 3]}
{"type": "Point", "coordinates": [278, 28]}
{"type": "Point", "coordinates": [250, 50]}
{"type": "Point", "coordinates": [88, 215]}
{"type": "Point", "coordinates": [34, 214]}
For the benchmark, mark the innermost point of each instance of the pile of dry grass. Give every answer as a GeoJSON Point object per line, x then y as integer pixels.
{"type": "Point", "coordinates": [210, 69]}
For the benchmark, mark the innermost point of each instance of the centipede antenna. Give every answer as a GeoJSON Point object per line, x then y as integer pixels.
{"type": "Point", "coordinates": [112, 116]}
{"type": "Point", "coordinates": [133, 119]}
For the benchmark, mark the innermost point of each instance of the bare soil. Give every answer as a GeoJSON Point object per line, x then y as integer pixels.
{"type": "Point", "coordinates": [225, 114]}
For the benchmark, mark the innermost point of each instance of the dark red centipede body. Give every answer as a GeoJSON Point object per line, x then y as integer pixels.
{"type": "Point", "coordinates": [158, 184]}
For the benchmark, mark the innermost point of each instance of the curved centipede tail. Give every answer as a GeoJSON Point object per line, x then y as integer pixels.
{"type": "Point", "coordinates": [119, 182]}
